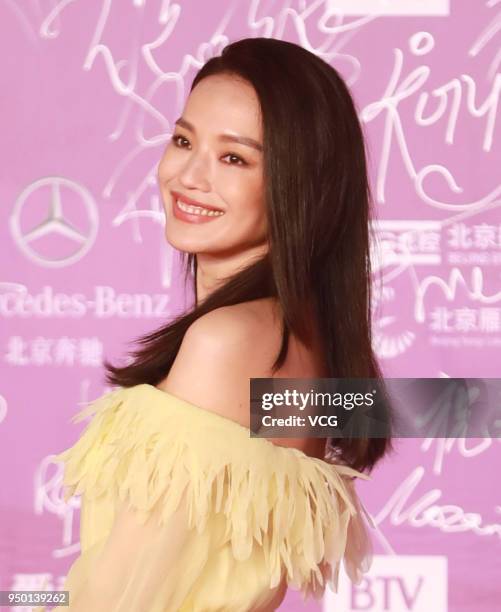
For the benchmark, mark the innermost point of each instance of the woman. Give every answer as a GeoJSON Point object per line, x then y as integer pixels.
{"type": "Point", "coordinates": [265, 190]}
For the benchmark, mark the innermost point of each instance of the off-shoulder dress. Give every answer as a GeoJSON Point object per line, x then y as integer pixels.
{"type": "Point", "coordinates": [255, 513]}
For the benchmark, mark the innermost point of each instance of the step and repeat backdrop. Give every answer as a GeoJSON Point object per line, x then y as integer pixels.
{"type": "Point", "coordinates": [90, 91]}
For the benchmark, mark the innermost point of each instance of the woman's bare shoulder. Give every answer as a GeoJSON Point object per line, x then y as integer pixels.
{"type": "Point", "coordinates": [225, 348]}
{"type": "Point", "coordinates": [260, 312]}
{"type": "Point", "coordinates": [253, 327]}
{"type": "Point", "coordinates": [219, 353]}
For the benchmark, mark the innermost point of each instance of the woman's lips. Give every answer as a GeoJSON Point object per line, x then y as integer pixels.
{"type": "Point", "coordinates": [183, 215]}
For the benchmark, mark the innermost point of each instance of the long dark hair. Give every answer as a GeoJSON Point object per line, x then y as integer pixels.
{"type": "Point", "coordinates": [318, 201]}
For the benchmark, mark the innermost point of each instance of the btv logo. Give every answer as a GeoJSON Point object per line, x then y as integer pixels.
{"type": "Point", "coordinates": [396, 583]}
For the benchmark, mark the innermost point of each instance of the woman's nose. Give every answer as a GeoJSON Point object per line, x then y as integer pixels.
{"type": "Point", "coordinates": [195, 173]}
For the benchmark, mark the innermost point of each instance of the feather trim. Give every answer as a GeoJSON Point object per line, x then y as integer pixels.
{"type": "Point", "coordinates": [148, 446]}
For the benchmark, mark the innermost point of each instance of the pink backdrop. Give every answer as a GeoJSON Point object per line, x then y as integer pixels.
{"type": "Point", "coordinates": [89, 94]}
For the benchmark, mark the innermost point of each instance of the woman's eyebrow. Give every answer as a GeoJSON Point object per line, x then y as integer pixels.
{"type": "Point", "coordinates": [250, 142]}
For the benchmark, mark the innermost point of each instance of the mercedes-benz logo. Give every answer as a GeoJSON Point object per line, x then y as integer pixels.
{"type": "Point", "coordinates": [54, 206]}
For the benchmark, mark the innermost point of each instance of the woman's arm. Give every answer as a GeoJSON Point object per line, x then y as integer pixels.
{"type": "Point", "coordinates": [139, 561]}
{"type": "Point", "coordinates": [136, 564]}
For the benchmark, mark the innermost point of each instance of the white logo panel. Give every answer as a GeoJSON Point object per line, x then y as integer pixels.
{"type": "Point", "coordinates": [395, 583]}
{"type": "Point", "coordinates": [438, 8]}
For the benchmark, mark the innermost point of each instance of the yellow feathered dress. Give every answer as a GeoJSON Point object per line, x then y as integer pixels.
{"type": "Point", "coordinates": [249, 512]}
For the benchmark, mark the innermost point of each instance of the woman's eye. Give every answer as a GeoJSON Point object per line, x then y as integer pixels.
{"type": "Point", "coordinates": [239, 160]}
{"type": "Point", "coordinates": [176, 138]}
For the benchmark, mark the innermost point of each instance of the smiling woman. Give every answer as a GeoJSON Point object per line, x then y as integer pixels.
{"type": "Point", "coordinates": [265, 190]}
{"type": "Point", "coordinates": [200, 170]}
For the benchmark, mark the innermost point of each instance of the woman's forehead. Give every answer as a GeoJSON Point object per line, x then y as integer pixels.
{"type": "Point", "coordinates": [224, 102]}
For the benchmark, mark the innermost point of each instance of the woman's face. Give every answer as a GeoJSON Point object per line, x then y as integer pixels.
{"type": "Point", "coordinates": [203, 163]}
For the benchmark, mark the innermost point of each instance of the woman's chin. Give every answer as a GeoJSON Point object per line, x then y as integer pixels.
{"type": "Point", "coordinates": [188, 245]}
